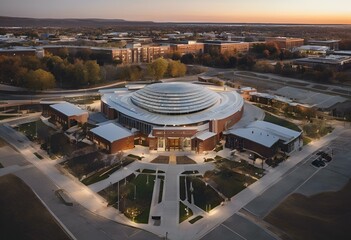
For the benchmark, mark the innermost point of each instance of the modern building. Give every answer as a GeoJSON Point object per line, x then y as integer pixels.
{"type": "Point", "coordinates": [312, 50]}
{"type": "Point", "coordinates": [65, 114]}
{"type": "Point", "coordinates": [332, 44]}
{"type": "Point", "coordinates": [112, 137]}
{"type": "Point", "coordinates": [286, 43]}
{"type": "Point", "coordinates": [264, 139]}
{"type": "Point", "coordinates": [174, 116]}
{"type": "Point", "coordinates": [337, 62]}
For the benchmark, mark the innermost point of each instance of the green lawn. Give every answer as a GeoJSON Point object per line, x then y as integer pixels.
{"type": "Point", "coordinates": [205, 196]}
{"type": "Point", "coordinates": [281, 122]}
{"type": "Point", "coordinates": [230, 183]}
{"type": "Point", "coordinates": [135, 196]}
{"type": "Point", "coordinates": [242, 166]}
{"type": "Point", "coordinates": [84, 164]}
{"type": "Point", "coordinates": [106, 172]}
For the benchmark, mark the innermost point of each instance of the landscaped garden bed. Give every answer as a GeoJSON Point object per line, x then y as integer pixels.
{"type": "Point", "coordinates": [135, 196]}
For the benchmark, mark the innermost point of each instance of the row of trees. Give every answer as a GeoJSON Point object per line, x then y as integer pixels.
{"type": "Point", "coordinates": [318, 73]}
{"type": "Point", "coordinates": [40, 74]}
{"type": "Point", "coordinates": [156, 70]}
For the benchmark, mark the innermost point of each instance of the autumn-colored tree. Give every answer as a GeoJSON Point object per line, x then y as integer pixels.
{"type": "Point", "coordinates": [176, 69]}
{"type": "Point", "coordinates": [158, 68]}
{"type": "Point", "coordinates": [39, 80]}
{"type": "Point", "coordinates": [93, 72]}
{"type": "Point", "coordinates": [11, 70]}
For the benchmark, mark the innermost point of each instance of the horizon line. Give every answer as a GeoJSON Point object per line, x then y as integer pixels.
{"type": "Point", "coordinates": [175, 22]}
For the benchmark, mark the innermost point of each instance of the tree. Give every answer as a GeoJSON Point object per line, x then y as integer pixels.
{"type": "Point", "coordinates": [188, 58]}
{"type": "Point", "coordinates": [84, 54]}
{"type": "Point", "coordinates": [247, 62]}
{"type": "Point", "coordinates": [11, 70]}
{"type": "Point", "coordinates": [93, 72]}
{"type": "Point", "coordinates": [63, 53]}
{"type": "Point", "coordinates": [158, 68]}
{"type": "Point", "coordinates": [31, 62]}
{"type": "Point", "coordinates": [131, 73]}
{"type": "Point", "coordinates": [39, 79]}
{"type": "Point", "coordinates": [176, 69]}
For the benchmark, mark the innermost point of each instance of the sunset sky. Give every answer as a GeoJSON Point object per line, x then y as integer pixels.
{"type": "Point", "coordinates": [244, 11]}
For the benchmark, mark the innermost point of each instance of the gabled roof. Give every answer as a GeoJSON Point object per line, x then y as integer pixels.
{"type": "Point", "coordinates": [265, 133]}
{"type": "Point", "coordinates": [68, 109]}
{"type": "Point", "coordinates": [111, 132]}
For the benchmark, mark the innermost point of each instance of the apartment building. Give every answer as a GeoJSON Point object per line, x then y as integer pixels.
{"type": "Point", "coordinates": [286, 43]}
{"type": "Point", "coordinates": [226, 47]}
{"type": "Point", "coordinates": [187, 47]}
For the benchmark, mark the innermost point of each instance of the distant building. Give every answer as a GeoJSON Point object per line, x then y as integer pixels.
{"type": "Point", "coordinates": [66, 114]}
{"type": "Point", "coordinates": [264, 138]}
{"type": "Point", "coordinates": [134, 53]}
{"type": "Point", "coordinates": [112, 138]}
{"type": "Point", "coordinates": [312, 50]}
{"type": "Point", "coordinates": [226, 47]}
{"type": "Point", "coordinates": [333, 61]}
{"type": "Point", "coordinates": [187, 47]}
{"type": "Point", "coordinates": [332, 44]}
{"type": "Point", "coordinates": [286, 43]}
{"type": "Point", "coordinates": [12, 52]}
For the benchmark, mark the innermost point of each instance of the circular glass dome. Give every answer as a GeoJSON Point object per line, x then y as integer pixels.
{"type": "Point", "coordinates": [174, 98]}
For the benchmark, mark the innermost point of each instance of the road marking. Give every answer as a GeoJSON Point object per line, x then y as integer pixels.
{"type": "Point", "coordinates": [233, 231]}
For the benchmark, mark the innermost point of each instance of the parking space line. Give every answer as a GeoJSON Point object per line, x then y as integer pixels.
{"type": "Point", "coordinates": [233, 231]}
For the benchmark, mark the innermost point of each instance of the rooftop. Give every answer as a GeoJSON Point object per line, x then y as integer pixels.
{"type": "Point", "coordinates": [256, 135]}
{"type": "Point", "coordinates": [111, 132]}
{"type": "Point", "coordinates": [205, 135]}
{"type": "Point", "coordinates": [228, 103]}
{"type": "Point", "coordinates": [265, 133]}
{"type": "Point", "coordinates": [331, 59]}
{"type": "Point", "coordinates": [68, 109]}
{"type": "Point", "coordinates": [174, 98]}
{"type": "Point", "coordinates": [319, 100]}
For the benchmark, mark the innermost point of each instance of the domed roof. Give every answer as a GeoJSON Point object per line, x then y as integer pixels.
{"type": "Point", "coordinates": [174, 98]}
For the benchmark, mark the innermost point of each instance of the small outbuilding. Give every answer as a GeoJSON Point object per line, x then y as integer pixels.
{"type": "Point", "coordinates": [67, 114]}
{"type": "Point", "coordinates": [264, 138]}
{"type": "Point", "coordinates": [111, 137]}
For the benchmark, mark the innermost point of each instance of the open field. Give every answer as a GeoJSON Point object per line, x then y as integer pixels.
{"type": "Point", "coordinates": [23, 216]}
{"type": "Point", "coordinates": [304, 217]}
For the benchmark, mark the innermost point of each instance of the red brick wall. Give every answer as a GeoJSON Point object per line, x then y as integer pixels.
{"type": "Point", "coordinates": [122, 144]}
{"type": "Point", "coordinates": [153, 143]}
{"type": "Point", "coordinates": [229, 121]}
